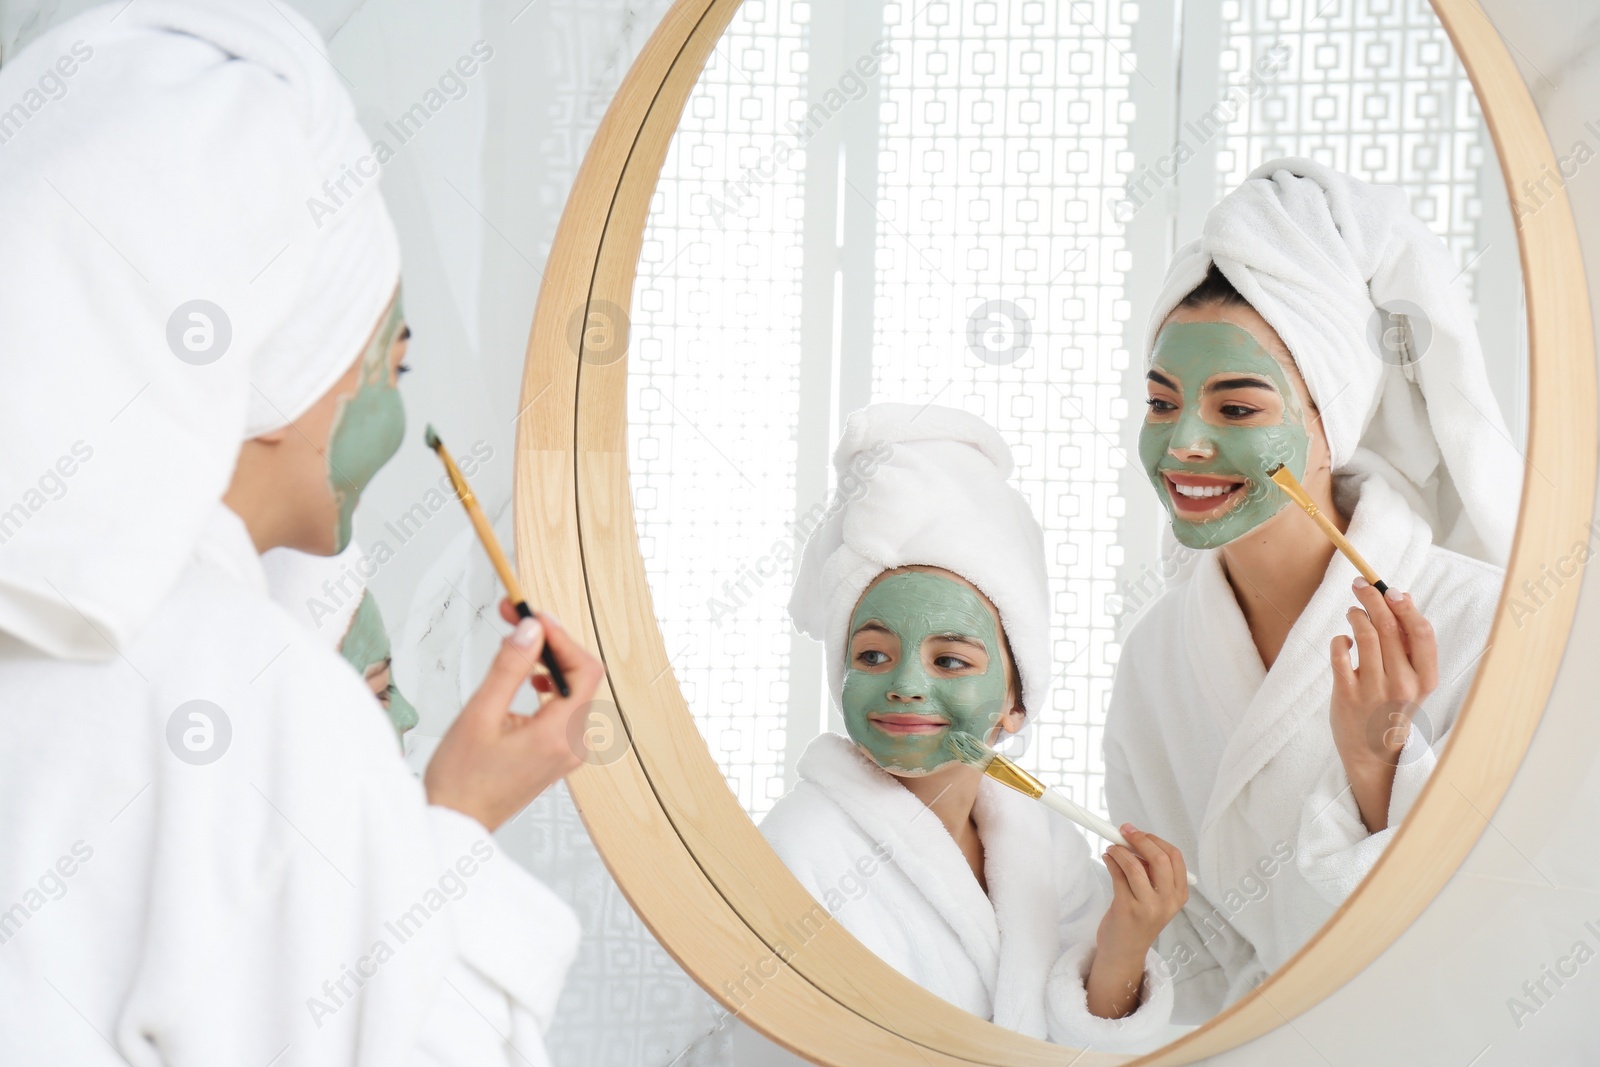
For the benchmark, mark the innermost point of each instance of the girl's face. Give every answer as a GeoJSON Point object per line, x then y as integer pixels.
{"type": "Point", "coordinates": [926, 658]}
{"type": "Point", "coordinates": [366, 648]}
{"type": "Point", "coordinates": [1223, 411]}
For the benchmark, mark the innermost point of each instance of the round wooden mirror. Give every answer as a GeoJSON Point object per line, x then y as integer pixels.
{"type": "Point", "coordinates": [674, 836]}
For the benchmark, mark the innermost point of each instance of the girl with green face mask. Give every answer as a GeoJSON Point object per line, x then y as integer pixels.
{"type": "Point", "coordinates": [366, 647]}
{"type": "Point", "coordinates": [978, 893]}
{"type": "Point", "coordinates": [926, 658]}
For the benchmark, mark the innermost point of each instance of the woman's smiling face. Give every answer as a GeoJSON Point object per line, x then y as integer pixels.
{"type": "Point", "coordinates": [926, 658]}
{"type": "Point", "coordinates": [1222, 413]}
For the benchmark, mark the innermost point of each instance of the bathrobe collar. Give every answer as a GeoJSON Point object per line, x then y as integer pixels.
{"type": "Point", "coordinates": [1261, 710]}
{"type": "Point", "coordinates": [226, 547]}
{"type": "Point", "coordinates": [1015, 834]}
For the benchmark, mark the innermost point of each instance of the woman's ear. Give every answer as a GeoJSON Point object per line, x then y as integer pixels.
{"type": "Point", "coordinates": [1321, 457]}
{"type": "Point", "coordinates": [273, 437]}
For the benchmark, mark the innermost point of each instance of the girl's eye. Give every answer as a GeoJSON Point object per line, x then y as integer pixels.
{"type": "Point", "coordinates": [402, 370]}
{"type": "Point", "coordinates": [951, 663]}
{"type": "Point", "coordinates": [1237, 411]}
{"type": "Point", "coordinates": [1159, 406]}
{"type": "Point", "coordinates": [867, 657]}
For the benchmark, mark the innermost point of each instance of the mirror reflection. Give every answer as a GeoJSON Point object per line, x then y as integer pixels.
{"type": "Point", "coordinates": [1074, 455]}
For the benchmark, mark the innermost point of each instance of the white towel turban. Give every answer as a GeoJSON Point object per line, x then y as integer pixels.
{"type": "Point", "coordinates": [163, 153]}
{"type": "Point", "coordinates": [1318, 253]}
{"type": "Point", "coordinates": [935, 492]}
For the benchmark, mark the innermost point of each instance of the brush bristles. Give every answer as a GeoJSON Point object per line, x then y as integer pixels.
{"type": "Point", "coordinates": [968, 749]}
{"type": "Point", "coordinates": [1284, 479]}
{"type": "Point", "coordinates": [431, 438]}
{"type": "Point", "coordinates": [1273, 470]}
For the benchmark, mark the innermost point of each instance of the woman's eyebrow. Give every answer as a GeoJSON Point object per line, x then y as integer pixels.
{"type": "Point", "coordinates": [874, 627]}
{"type": "Point", "coordinates": [405, 333]}
{"type": "Point", "coordinates": [1161, 379]}
{"type": "Point", "coordinates": [1239, 383]}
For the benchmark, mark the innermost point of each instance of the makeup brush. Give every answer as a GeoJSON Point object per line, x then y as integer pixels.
{"type": "Point", "coordinates": [1289, 484]}
{"type": "Point", "coordinates": [975, 753]}
{"type": "Point", "coordinates": [497, 557]}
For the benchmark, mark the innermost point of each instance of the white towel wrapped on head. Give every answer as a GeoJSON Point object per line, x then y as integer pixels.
{"type": "Point", "coordinates": [941, 498]}
{"type": "Point", "coordinates": [177, 169]}
{"type": "Point", "coordinates": [1319, 254]}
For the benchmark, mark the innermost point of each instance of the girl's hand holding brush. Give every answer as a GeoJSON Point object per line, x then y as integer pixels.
{"type": "Point", "coordinates": [493, 761]}
{"type": "Point", "coordinates": [1373, 703]}
{"type": "Point", "coordinates": [1149, 885]}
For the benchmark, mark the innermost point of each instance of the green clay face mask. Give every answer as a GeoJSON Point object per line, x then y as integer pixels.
{"type": "Point", "coordinates": [901, 735]}
{"type": "Point", "coordinates": [366, 645]}
{"type": "Point", "coordinates": [1210, 438]}
{"type": "Point", "coordinates": [369, 426]}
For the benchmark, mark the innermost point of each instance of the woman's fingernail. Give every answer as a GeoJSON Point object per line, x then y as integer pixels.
{"type": "Point", "coordinates": [1129, 828]}
{"type": "Point", "coordinates": [527, 633]}
{"type": "Point", "coordinates": [1394, 596]}
{"type": "Point", "coordinates": [1360, 583]}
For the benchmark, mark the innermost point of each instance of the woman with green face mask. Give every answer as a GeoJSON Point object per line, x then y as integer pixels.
{"type": "Point", "coordinates": [926, 584]}
{"type": "Point", "coordinates": [215, 371]}
{"type": "Point", "coordinates": [1274, 714]}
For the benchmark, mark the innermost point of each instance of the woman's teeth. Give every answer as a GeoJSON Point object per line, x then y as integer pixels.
{"type": "Point", "coordinates": [1197, 492]}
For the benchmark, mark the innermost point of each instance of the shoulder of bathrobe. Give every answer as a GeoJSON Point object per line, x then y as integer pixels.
{"type": "Point", "coordinates": [813, 836]}
{"type": "Point", "coordinates": [1453, 583]}
{"type": "Point", "coordinates": [1147, 633]}
{"type": "Point", "coordinates": [281, 686]}
{"type": "Point", "coordinates": [803, 809]}
{"type": "Point", "coordinates": [1130, 709]}
{"type": "Point", "coordinates": [802, 804]}
{"type": "Point", "coordinates": [1149, 639]}
{"type": "Point", "coordinates": [1147, 623]}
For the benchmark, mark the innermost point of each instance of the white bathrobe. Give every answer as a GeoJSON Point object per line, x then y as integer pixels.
{"type": "Point", "coordinates": [884, 864]}
{"type": "Point", "coordinates": [1236, 765]}
{"type": "Point", "coordinates": [296, 901]}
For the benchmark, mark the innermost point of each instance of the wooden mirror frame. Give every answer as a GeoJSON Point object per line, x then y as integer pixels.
{"type": "Point", "coordinates": [674, 836]}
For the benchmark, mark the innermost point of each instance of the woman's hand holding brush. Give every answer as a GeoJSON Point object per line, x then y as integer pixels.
{"type": "Point", "coordinates": [1373, 702]}
{"type": "Point", "coordinates": [493, 761]}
